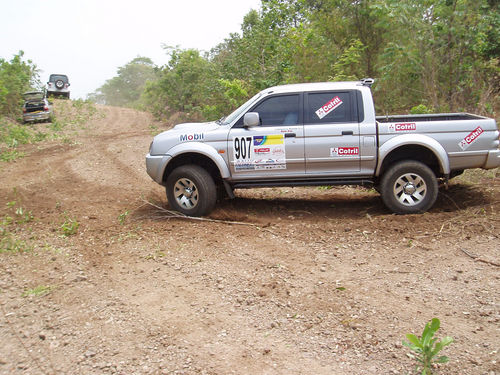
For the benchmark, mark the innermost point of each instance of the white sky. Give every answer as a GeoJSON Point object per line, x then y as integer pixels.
{"type": "Point", "coordinates": [89, 39]}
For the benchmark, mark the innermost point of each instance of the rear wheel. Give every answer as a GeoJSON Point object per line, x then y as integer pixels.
{"type": "Point", "coordinates": [191, 190]}
{"type": "Point", "coordinates": [409, 187]}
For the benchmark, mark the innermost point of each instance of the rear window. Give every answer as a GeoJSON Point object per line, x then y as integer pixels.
{"type": "Point", "coordinates": [56, 77]}
{"type": "Point", "coordinates": [330, 107]}
{"type": "Point", "coordinates": [33, 96]}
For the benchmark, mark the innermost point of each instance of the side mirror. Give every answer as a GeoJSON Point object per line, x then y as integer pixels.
{"type": "Point", "coordinates": [251, 119]}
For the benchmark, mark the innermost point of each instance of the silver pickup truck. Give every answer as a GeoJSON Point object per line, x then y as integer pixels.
{"type": "Point", "coordinates": [320, 134]}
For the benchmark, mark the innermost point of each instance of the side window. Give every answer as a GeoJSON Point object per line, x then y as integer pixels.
{"type": "Point", "coordinates": [330, 107]}
{"type": "Point", "coordinates": [279, 110]}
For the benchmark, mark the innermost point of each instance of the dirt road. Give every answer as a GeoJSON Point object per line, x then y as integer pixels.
{"type": "Point", "coordinates": [316, 281]}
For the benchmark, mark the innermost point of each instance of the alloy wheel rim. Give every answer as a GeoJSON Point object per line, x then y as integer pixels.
{"type": "Point", "coordinates": [186, 193]}
{"type": "Point", "coordinates": [410, 189]}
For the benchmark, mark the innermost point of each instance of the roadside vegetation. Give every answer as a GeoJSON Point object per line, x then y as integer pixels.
{"type": "Point", "coordinates": [426, 56]}
{"type": "Point", "coordinates": [70, 117]}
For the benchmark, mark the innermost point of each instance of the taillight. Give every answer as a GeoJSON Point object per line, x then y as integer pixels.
{"type": "Point", "coordinates": [50, 84]}
{"type": "Point", "coordinates": [24, 110]}
{"type": "Point", "coordinates": [66, 85]}
{"type": "Point", "coordinates": [45, 108]}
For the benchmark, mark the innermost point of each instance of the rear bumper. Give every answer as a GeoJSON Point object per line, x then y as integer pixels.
{"type": "Point", "coordinates": [493, 160]}
{"type": "Point", "coordinates": [32, 117]}
{"type": "Point", "coordinates": [57, 92]}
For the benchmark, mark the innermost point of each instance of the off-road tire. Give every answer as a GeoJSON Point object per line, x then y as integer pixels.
{"type": "Point", "coordinates": [409, 187]}
{"type": "Point", "coordinates": [191, 190]}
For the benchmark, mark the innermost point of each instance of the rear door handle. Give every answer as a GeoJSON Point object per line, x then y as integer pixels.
{"type": "Point", "coordinates": [290, 135]}
{"type": "Point", "coordinates": [347, 132]}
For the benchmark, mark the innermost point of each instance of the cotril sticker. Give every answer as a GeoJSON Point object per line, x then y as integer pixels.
{"type": "Point", "coordinates": [403, 127]}
{"type": "Point", "coordinates": [328, 107]}
{"type": "Point", "coordinates": [344, 151]}
{"type": "Point", "coordinates": [471, 138]}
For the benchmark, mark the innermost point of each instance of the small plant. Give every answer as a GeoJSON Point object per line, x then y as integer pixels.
{"type": "Point", "coordinates": [427, 347]}
{"type": "Point", "coordinates": [153, 129]}
{"type": "Point", "coordinates": [10, 244]}
{"type": "Point", "coordinates": [24, 216]}
{"type": "Point", "coordinates": [11, 155]}
{"type": "Point", "coordinates": [40, 290]}
{"type": "Point", "coordinates": [70, 227]}
{"type": "Point", "coordinates": [122, 217]}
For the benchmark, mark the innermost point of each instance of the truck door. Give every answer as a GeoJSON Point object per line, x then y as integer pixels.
{"type": "Point", "coordinates": [331, 133]}
{"type": "Point", "coordinates": [273, 149]}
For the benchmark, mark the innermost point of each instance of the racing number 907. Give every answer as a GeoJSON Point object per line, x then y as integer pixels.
{"type": "Point", "coordinates": [242, 147]}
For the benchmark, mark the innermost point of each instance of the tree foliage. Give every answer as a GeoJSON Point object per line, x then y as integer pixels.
{"type": "Point", "coordinates": [126, 88]}
{"type": "Point", "coordinates": [16, 77]}
{"type": "Point", "coordinates": [441, 55]}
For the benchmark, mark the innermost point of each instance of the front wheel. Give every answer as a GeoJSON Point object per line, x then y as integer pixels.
{"type": "Point", "coordinates": [191, 190]}
{"type": "Point", "coordinates": [409, 187]}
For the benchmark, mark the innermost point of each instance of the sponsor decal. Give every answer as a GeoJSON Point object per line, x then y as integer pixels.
{"type": "Point", "coordinates": [191, 137]}
{"type": "Point", "coordinates": [242, 166]}
{"type": "Point", "coordinates": [262, 140]}
{"type": "Point", "coordinates": [470, 139]}
{"type": "Point", "coordinates": [278, 151]}
{"type": "Point", "coordinates": [344, 151]}
{"type": "Point", "coordinates": [403, 127]}
{"type": "Point", "coordinates": [262, 150]}
{"type": "Point", "coordinates": [269, 164]}
{"type": "Point", "coordinates": [328, 107]}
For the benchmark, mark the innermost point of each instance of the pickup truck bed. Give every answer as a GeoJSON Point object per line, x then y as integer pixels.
{"type": "Point", "coordinates": [430, 117]}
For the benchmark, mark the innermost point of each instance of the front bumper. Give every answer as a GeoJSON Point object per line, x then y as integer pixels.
{"type": "Point", "coordinates": [155, 165]}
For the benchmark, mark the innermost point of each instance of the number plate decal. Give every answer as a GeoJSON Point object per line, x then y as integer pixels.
{"type": "Point", "coordinates": [259, 152]}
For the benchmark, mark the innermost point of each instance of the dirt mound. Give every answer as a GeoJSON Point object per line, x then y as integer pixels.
{"type": "Point", "coordinates": [308, 281]}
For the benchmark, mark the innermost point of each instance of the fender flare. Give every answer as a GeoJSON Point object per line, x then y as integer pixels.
{"type": "Point", "coordinates": [202, 149]}
{"type": "Point", "coordinates": [414, 140]}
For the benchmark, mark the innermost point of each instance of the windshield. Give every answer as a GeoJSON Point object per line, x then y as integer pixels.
{"type": "Point", "coordinates": [233, 116]}
{"type": "Point", "coordinates": [55, 77]}
{"type": "Point", "coordinates": [35, 95]}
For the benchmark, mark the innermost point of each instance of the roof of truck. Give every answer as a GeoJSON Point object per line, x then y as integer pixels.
{"type": "Point", "coordinates": [317, 86]}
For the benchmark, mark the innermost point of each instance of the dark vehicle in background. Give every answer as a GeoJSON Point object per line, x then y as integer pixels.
{"type": "Point", "coordinates": [36, 107]}
{"type": "Point", "coordinates": [58, 85]}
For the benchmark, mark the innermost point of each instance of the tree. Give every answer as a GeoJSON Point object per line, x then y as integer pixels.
{"type": "Point", "coordinates": [127, 87]}
{"type": "Point", "coordinates": [16, 77]}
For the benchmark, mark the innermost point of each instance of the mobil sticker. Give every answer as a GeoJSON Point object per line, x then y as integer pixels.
{"type": "Point", "coordinates": [328, 107]}
{"type": "Point", "coordinates": [344, 151]}
{"type": "Point", "coordinates": [403, 127]}
{"type": "Point", "coordinates": [471, 138]}
{"type": "Point", "coordinates": [191, 137]}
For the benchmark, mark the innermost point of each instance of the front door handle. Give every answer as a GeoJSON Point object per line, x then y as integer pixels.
{"type": "Point", "coordinates": [290, 135]}
{"type": "Point", "coordinates": [347, 132]}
